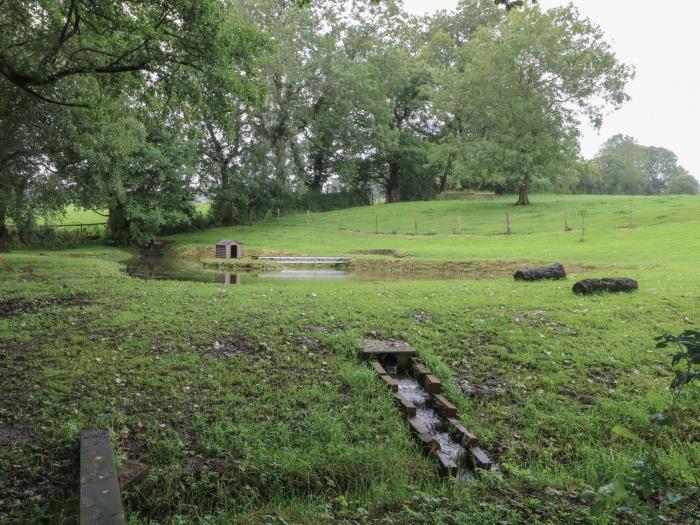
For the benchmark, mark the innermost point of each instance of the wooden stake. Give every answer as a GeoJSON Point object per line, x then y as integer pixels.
{"type": "Point", "coordinates": [459, 223]}
{"type": "Point", "coordinates": [278, 216]}
{"type": "Point", "coordinates": [415, 225]}
{"type": "Point", "coordinates": [566, 220]}
{"type": "Point", "coordinates": [508, 224]}
{"type": "Point", "coordinates": [376, 224]}
{"type": "Point", "coordinates": [341, 219]}
{"type": "Point", "coordinates": [308, 218]}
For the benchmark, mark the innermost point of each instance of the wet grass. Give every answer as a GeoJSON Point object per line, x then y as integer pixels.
{"type": "Point", "coordinates": [251, 406]}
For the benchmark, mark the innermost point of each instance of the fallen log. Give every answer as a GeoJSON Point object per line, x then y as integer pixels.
{"type": "Point", "coordinates": [607, 284]}
{"type": "Point", "coordinates": [553, 271]}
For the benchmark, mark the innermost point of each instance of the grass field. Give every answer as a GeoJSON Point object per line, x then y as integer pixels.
{"type": "Point", "coordinates": [287, 426]}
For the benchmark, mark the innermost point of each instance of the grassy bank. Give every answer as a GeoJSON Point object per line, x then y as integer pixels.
{"type": "Point", "coordinates": [251, 406]}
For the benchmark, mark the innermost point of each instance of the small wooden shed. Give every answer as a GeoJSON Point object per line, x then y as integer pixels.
{"type": "Point", "coordinates": [228, 249]}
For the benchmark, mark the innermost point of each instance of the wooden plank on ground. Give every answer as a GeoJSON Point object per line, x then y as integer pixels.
{"type": "Point", "coordinates": [100, 499]}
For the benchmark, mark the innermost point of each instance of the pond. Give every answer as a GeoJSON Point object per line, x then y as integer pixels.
{"type": "Point", "coordinates": [163, 268]}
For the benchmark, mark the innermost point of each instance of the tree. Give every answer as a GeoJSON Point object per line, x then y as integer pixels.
{"type": "Point", "coordinates": [137, 163]}
{"type": "Point", "coordinates": [589, 180]}
{"type": "Point", "coordinates": [683, 183]}
{"type": "Point", "coordinates": [521, 89]}
{"type": "Point", "coordinates": [29, 184]}
{"type": "Point", "coordinates": [73, 52]}
{"type": "Point", "coordinates": [637, 169]}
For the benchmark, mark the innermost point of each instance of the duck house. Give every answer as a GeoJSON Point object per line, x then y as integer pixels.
{"type": "Point", "coordinates": [228, 249]}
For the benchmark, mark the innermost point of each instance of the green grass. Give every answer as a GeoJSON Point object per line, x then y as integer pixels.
{"type": "Point", "coordinates": [291, 428]}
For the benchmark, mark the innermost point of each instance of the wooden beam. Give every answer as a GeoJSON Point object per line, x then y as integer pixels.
{"type": "Point", "coordinates": [100, 499]}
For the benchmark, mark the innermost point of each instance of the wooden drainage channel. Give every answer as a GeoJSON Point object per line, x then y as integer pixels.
{"type": "Point", "coordinates": [402, 357]}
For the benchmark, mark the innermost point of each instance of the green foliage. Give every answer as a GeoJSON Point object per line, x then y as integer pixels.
{"type": "Point", "coordinates": [648, 479]}
{"type": "Point", "coordinates": [629, 168]}
{"type": "Point", "coordinates": [683, 184]}
{"type": "Point", "coordinates": [687, 358]}
{"type": "Point", "coordinates": [520, 90]}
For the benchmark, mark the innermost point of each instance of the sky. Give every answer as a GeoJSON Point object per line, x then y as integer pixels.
{"type": "Point", "coordinates": [660, 39]}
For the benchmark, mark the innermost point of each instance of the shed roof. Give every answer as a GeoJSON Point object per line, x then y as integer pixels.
{"type": "Point", "coordinates": [227, 242]}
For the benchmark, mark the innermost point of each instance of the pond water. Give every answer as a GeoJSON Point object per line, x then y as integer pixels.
{"type": "Point", "coordinates": [163, 268]}
{"type": "Point", "coordinates": [154, 267]}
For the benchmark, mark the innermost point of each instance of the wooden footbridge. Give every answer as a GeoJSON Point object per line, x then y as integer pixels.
{"type": "Point", "coordinates": [306, 260]}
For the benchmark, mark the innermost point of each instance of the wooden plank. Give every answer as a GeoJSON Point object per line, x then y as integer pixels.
{"type": "Point", "coordinates": [100, 499]}
{"type": "Point", "coordinates": [375, 347]}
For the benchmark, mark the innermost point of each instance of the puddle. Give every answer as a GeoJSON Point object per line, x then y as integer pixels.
{"type": "Point", "coordinates": [416, 394]}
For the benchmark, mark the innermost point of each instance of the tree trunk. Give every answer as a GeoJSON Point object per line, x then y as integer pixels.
{"type": "Point", "coordinates": [607, 284]}
{"type": "Point", "coordinates": [279, 147]}
{"type": "Point", "coordinates": [523, 199]}
{"type": "Point", "coordinates": [4, 232]}
{"type": "Point", "coordinates": [318, 177]}
{"type": "Point", "coordinates": [223, 202]}
{"type": "Point", "coordinates": [553, 271]}
{"type": "Point", "coordinates": [393, 188]}
{"type": "Point", "coordinates": [118, 224]}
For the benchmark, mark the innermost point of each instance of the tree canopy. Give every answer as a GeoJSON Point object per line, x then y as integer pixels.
{"type": "Point", "coordinates": [628, 167]}
{"type": "Point", "coordinates": [137, 108]}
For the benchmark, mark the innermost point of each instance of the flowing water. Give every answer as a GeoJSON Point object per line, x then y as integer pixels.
{"type": "Point", "coordinates": [416, 394]}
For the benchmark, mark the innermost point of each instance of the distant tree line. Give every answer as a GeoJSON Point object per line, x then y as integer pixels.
{"type": "Point", "coordinates": [137, 107]}
{"type": "Point", "coordinates": [623, 166]}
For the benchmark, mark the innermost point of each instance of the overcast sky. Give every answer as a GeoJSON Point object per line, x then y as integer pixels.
{"type": "Point", "coordinates": [661, 39]}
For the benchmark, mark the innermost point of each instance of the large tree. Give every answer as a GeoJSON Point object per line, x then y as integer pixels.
{"type": "Point", "coordinates": [521, 88]}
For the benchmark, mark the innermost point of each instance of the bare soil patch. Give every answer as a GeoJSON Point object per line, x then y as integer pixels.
{"type": "Point", "coordinates": [230, 347]}
{"type": "Point", "coordinates": [457, 269]}
{"type": "Point", "coordinates": [13, 435]}
{"type": "Point", "coordinates": [20, 306]}
{"type": "Point", "coordinates": [380, 251]}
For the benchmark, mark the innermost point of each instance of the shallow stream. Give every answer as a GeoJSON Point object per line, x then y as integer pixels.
{"type": "Point", "coordinates": [416, 394]}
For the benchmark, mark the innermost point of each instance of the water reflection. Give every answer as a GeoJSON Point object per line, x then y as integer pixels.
{"type": "Point", "coordinates": [306, 274]}
{"type": "Point", "coordinates": [228, 278]}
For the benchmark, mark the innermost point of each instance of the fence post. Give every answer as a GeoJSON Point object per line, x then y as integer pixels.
{"type": "Point", "coordinates": [308, 217]}
{"type": "Point", "coordinates": [341, 219]}
{"type": "Point", "coordinates": [459, 224]}
{"type": "Point", "coordinates": [278, 216]}
{"type": "Point", "coordinates": [566, 220]}
{"type": "Point", "coordinates": [376, 223]}
{"type": "Point", "coordinates": [508, 224]}
{"type": "Point", "coordinates": [415, 225]}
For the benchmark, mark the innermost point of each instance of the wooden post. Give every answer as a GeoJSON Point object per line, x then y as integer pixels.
{"type": "Point", "coordinates": [376, 223]}
{"type": "Point", "coordinates": [459, 223]}
{"type": "Point", "coordinates": [278, 216]}
{"type": "Point", "coordinates": [566, 220]}
{"type": "Point", "coordinates": [341, 219]}
{"type": "Point", "coordinates": [415, 225]}
{"type": "Point", "coordinates": [631, 218]}
{"type": "Point", "coordinates": [100, 499]}
{"type": "Point", "coordinates": [308, 217]}
{"type": "Point", "coordinates": [508, 224]}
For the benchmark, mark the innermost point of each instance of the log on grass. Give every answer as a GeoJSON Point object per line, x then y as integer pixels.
{"type": "Point", "coordinates": [553, 271]}
{"type": "Point", "coordinates": [607, 284]}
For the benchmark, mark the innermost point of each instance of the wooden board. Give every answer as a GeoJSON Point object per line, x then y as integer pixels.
{"type": "Point", "coordinates": [374, 347]}
{"type": "Point", "coordinates": [100, 499]}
